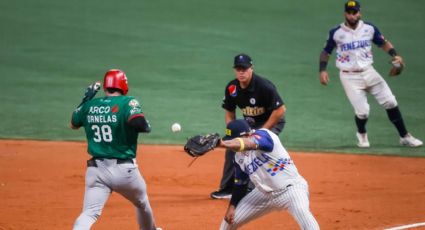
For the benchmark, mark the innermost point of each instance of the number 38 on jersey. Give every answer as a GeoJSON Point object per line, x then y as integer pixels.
{"type": "Point", "coordinates": [102, 133]}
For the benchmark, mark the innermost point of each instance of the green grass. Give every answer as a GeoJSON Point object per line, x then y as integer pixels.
{"type": "Point", "coordinates": [178, 57]}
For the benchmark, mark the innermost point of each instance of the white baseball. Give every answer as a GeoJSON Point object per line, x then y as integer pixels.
{"type": "Point", "coordinates": [176, 128]}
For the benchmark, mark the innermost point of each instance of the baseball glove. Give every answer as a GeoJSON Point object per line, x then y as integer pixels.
{"type": "Point", "coordinates": [198, 145]}
{"type": "Point", "coordinates": [397, 66]}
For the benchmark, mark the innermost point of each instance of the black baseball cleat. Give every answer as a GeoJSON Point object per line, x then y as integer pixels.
{"type": "Point", "coordinates": [221, 194]}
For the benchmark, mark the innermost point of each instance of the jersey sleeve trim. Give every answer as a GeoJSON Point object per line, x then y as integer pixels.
{"type": "Point", "coordinates": [330, 43]}
{"type": "Point", "coordinates": [378, 39]}
{"type": "Point", "coordinates": [263, 140]}
{"type": "Point", "coordinates": [135, 115]}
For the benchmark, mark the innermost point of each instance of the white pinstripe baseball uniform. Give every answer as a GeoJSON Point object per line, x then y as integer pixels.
{"type": "Point", "coordinates": [278, 185]}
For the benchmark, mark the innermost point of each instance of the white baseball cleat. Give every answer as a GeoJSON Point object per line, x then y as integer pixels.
{"type": "Point", "coordinates": [363, 142]}
{"type": "Point", "coordinates": [411, 141]}
{"type": "Point", "coordinates": [158, 228]}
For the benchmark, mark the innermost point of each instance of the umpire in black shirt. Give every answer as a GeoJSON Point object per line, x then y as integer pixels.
{"type": "Point", "coordinates": [261, 106]}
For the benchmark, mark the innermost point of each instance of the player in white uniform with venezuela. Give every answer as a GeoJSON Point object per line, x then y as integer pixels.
{"type": "Point", "coordinates": [261, 157]}
{"type": "Point", "coordinates": [353, 42]}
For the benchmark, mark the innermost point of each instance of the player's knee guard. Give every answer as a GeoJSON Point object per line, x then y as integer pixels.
{"type": "Point", "coordinates": [362, 116]}
{"type": "Point", "coordinates": [389, 104]}
{"type": "Point", "coordinates": [362, 111]}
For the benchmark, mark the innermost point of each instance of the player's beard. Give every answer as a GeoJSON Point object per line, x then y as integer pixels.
{"type": "Point", "coordinates": [353, 23]}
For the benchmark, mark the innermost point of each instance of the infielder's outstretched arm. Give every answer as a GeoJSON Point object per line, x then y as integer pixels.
{"type": "Point", "coordinates": [249, 142]}
{"type": "Point", "coordinates": [239, 144]}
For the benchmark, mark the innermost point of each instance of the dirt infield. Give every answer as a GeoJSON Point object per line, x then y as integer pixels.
{"type": "Point", "coordinates": [42, 185]}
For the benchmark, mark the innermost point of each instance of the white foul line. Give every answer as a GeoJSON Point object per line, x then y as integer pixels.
{"type": "Point", "coordinates": [406, 226]}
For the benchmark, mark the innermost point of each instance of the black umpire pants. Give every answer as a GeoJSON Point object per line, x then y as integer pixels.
{"type": "Point", "coordinates": [228, 178]}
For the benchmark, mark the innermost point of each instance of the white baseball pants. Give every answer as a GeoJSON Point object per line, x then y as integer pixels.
{"type": "Point", "coordinates": [124, 179]}
{"type": "Point", "coordinates": [357, 85]}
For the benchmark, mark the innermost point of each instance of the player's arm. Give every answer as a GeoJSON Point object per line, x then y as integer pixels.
{"type": "Point", "coordinates": [275, 116]}
{"type": "Point", "coordinates": [259, 140]}
{"type": "Point", "coordinates": [76, 121]}
{"type": "Point", "coordinates": [139, 123]}
{"type": "Point", "coordinates": [136, 118]}
{"type": "Point", "coordinates": [379, 40]}
{"type": "Point", "coordinates": [324, 58]}
{"type": "Point", "coordinates": [239, 144]}
{"type": "Point", "coordinates": [389, 48]}
{"type": "Point", "coordinates": [91, 91]}
{"type": "Point", "coordinates": [72, 126]}
{"type": "Point", "coordinates": [323, 63]}
{"type": "Point", "coordinates": [229, 106]}
{"type": "Point", "coordinates": [275, 104]}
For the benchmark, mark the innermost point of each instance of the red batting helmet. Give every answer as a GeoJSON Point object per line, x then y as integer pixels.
{"type": "Point", "coordinates": [116, 79]}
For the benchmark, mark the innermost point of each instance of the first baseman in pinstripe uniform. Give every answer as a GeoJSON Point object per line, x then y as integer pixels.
{"type": "Point", "coordinates": [261, 157]}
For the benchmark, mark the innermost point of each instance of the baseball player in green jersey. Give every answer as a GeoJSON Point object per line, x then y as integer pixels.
{"type": "Point", "coordinates": [112, 124]}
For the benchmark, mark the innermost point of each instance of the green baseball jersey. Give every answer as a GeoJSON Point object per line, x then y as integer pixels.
{"type": "Point", "coordinates": [105, 121]}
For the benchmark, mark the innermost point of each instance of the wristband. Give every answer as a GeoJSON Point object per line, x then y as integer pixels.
{"type": "Point", "coordinates": [322, 66]}
{"type": "Point", "coordinates": [242, 148]}
{"type": "Point", "coordinates": [392, 52]}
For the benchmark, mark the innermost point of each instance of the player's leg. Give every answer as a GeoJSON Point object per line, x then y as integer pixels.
{"type": "Point", "coordinates": [383, 95]}
{"type": "Point", "coordinates": [227, 179]}
{"type": "Point", "coordinates": [129, 183]}
{"type": "Point", "coordinates": [298, 205]}
{"type": "Point", "coordinates": [355, 89]}
{"type": "Point", "coordinates": [95, 196]}
{"type": "Point", "coordinates": [254, 205]}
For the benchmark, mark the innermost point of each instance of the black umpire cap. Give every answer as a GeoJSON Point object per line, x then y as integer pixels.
{"type": "Point", "coordinates": [352, 6]}
{"type": "Point", "coordinates": [242, 60]}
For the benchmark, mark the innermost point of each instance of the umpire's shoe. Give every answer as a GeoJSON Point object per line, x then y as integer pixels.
{"type": "Point", "coordinates": [221, 194]}
{"type": "Point", "coordinates": [411, 141]}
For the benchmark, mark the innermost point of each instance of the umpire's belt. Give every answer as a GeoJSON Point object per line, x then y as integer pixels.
{"type": "Point", "coordinates": [92, 161]}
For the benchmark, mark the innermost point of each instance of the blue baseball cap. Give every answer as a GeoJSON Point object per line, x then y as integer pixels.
{"type": "Point", "coordinates": [242, 60]}
{"type": "Point", "coordinates": [352, 5]}
{"type": "Point", "coordinates": [236, 128]}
